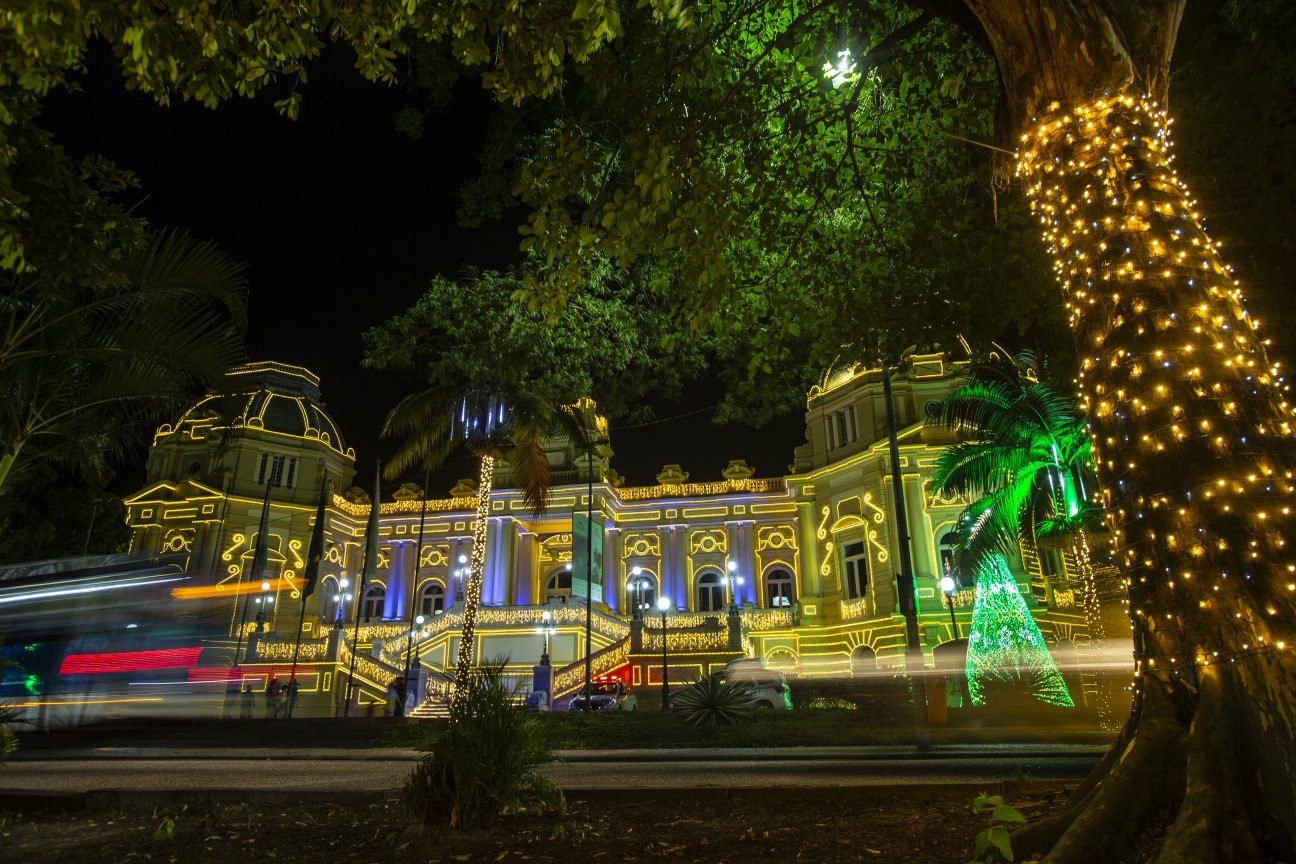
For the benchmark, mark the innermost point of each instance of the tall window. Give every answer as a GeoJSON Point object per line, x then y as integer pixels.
{"type": "Point", "coordinates": [372, 604]}
{"type": "Point", "coordinates": [710, 592]}
{"type": "Point", "coordinates": [329, 606]}
{"type": "Point", "coordinates": [842, 428]}
{"type": "Point", "coordinates": [431, 599]}
{"type": "Point", "coordinates": [945, 548]}
{"type": "Point", "coordinates": [278, 470]}
{"type": "Point", "coordinates": [559, 583]}
{"type": "Point", "coordinates": [779, 589]}
{"type": "Point", "coordinates": [855, 570]}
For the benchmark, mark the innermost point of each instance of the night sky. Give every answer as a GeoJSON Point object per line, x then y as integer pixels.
{"type": "Point", "coordinates": [341, 221]}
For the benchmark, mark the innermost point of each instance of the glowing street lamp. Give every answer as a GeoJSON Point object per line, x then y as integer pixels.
{"type": "Point", "coordinates": [340, 601]}
{"type": "Point", "coordinates": [734, 581]}
{"type": "Point", "coordinates": [663, 603]}
{"type": "Point", "coordinates": [418, 620]}
{"type": "Point", "coordinates": [947, 586]}
{"type": "Point", "coordinates": [843, 70]}
{"type": "Point", "coordinates": [460, 572]}
{"type": "Point", "coordinates": [263, 605]}
{"type": "Point", "coordinates": [638, 583]}
{"type": "Point", "coordinates": [546, 629]}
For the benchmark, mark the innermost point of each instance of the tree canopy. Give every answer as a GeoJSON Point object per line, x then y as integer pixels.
{"type": "Point", "coordinates": [473, 340]}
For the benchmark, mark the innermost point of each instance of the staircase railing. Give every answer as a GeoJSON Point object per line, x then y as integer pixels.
{"type": "Point", "coordinates": [571, 677]}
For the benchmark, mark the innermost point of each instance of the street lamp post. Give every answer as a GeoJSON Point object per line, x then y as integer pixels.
{"type": "Point", "coordinates": [947, 586]}
{"type": "Point", "coordinates": [340, 601]}
{"type": "Point", "coordinates": [663, 604]}
{"type": "Point", "coordinates": [460, 572]}
{"type": "Point", "coordinates": [418, 619]}
{"type": "Point", "coordinates": [546, 629]}
{"type": "Point", "coordinates": [734, 580]}
{"type": "Point", "coordinates": [638, 583]}
{"type": "Point", "coordinates": [263, 605]}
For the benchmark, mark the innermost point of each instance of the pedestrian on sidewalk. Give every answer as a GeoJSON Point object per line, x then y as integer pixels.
{"type": "Point", "coordinates": [293, 687]}
{"type": "Point", "coordinates": [248, 700]}
{"type": "Point", "coordinates": [271, 697]}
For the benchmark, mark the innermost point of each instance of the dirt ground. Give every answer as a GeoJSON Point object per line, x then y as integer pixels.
{"type": "Point", "coordinates": [932, 825]}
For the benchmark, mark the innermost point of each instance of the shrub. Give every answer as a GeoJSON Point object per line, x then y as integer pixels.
{"type": "Point", "coordinates": [484, 763]}
{"type": "Point", "coordinates": [830, 702]}
{"type": "Point", "coordinates": [712, 702]}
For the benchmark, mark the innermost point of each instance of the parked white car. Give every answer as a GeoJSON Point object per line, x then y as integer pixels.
{"type": "Point", "coordinates": [768, 687]}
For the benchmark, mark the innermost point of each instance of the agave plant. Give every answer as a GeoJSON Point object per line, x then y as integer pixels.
{"type": "Point", "coordinates": [713, 702]}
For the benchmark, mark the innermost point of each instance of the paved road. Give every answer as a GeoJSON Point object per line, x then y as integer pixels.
{"type": "Point", "coordinates": [376, 773]}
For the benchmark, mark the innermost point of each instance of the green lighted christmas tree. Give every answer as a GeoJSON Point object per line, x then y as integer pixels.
{"type": "Point", "coordinates": [1006, 645]}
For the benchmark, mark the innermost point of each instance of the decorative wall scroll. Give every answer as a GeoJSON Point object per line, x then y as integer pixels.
{"type": "Point", "coordinates": [643, 545]}
{"type": "Point", "coordinates": [708, 540]}
{"type": "Point", "coordinates": [775, 537]}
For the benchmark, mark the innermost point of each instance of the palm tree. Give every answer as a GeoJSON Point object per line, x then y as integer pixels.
{"type": "Point", "coordinates": [82, 366]}
{"type": "Point", "coordinates": [1028, 470]}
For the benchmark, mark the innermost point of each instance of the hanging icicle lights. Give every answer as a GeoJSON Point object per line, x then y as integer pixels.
{"type": "Point", "coordinates": [479, 415]}
{"type": "Point", "coordinates": [1190, 421]}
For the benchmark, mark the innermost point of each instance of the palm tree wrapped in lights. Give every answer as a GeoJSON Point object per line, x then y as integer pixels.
{"type": "Point", "coordinates": [1027, 468]}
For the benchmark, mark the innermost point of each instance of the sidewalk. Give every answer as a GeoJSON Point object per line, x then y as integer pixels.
{"type": "Point", "coordinates": [677, 754]}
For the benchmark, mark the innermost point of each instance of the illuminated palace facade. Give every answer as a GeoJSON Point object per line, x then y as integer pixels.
{"type": "Point", "coordinates": [816, 550]}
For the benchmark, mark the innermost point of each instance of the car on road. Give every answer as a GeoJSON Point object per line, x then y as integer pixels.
{"type": "Point", "coordinates": [768, 687]}
{"type": "Point", "coordinates": [605, 696]}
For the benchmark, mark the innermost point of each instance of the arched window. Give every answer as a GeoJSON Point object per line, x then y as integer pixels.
{"type": "Point", "coordinates": [710, 592]}
{"type": "Point", "coordinates": [371, 605]}
{"type": "Point", "coordinates": [779, 590]}
{"type": "Point", "coordinates": [863, 662]}
{"type": "Point", "coordinates": [855, 575]}
{"type": "Point", "coordinates": [641, 591]}
{"type": "Point", "coordinates": [431, 599]}
{"type": "Point", "coordinates": [948, 563]}
{"type": "Point", "coordinates": [328, 605]}
{"type": "Point", "coordinates": [559, 583]}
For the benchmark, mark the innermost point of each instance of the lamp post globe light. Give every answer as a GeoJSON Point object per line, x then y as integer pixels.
{"type": "Point", "coordinates": [947, 586]}
{"type": "Point", "coordinates": [638, 582]}
{"type": "Point", "coordinates": [263, 605]}
{"type": "Point", "coordinates": [460, 572]}
{"type": "Point", "coordinates": [546, 629]}
{"type": "Point", "coordinates": [663, 603]}
{"type": "Point", "coordinates": [340, 601]}
{"type": "Point", "coordinates": [418, 620]}
{"type": "Point", "coordinates": [734, 580]}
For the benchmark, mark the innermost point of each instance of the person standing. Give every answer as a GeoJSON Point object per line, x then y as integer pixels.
{"type": "Point", "coordinates": [271, 694]}
{"type": "Point", "coordinates": [293, 687]}
{"type": "Point", "coordinates": [401, 692]}
{"type": "Point", "coordinates": [248, 702]}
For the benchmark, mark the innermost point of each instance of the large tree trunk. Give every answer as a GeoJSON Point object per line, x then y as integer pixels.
{"type": "Point", "coordinates": [1192, 435]}
{"type": "Point", "coordinates": [473, 591]}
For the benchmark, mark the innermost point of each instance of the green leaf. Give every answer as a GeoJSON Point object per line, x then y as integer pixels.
{"type": "Point", "coordinates": [1007, 813]}
{"type": "Point", "coordinates": [998, 836]}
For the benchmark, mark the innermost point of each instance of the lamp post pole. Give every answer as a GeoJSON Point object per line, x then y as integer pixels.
{"type": "Point", "coordinates": [546, 629]}
{"type": "Point", "coordinates": [947, 586]}
{"type": "Point", "coordinates": [340, 601]}
{"type": "Point", "coordinates": [418, 619]}
{"type": "Point", "coordinates": [637, 583]}
{"type": "Point", "coordinates": [663, 604]}
{"type": "Point", "coordinates": [914, 664]}
{"type": "Point", "coordinates": [734, 580]}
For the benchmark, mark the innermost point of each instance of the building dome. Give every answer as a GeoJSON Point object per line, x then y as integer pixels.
{"type": "Point", "coordinates": [266, 395]}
